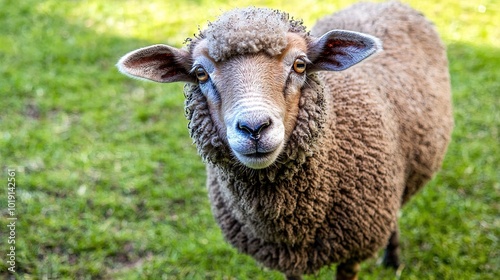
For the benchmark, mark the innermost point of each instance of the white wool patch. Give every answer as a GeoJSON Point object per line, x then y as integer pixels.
{"type": "Point", "coordinates": [248, 30]}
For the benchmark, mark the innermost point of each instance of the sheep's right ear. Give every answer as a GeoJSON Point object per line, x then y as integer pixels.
{"type": "Point", "coordinates": [159, 63]}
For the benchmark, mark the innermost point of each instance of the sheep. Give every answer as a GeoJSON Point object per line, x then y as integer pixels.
{"type": "Point", "coordinates": [313, 141]}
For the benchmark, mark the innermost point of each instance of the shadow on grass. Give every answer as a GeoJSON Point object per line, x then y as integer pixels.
{"type": "Point", "coordinates": [78, 137]}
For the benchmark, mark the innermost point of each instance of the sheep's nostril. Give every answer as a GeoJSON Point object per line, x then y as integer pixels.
{"type": "Point", "coordinates": [253, 129]}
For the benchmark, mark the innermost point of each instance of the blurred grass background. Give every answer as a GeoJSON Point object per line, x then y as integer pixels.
{"type": "Point", "coordinates": [109, 185]}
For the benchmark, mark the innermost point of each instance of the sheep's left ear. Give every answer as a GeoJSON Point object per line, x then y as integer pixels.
{"type": "Point", "coordinates": [337, 50]}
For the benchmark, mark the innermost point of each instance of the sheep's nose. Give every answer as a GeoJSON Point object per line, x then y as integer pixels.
{"type": "Point", "coordinates": [254, 128]}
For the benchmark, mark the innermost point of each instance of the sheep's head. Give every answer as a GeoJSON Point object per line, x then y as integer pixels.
{"type": "Point", "coordinates": [251, 66]}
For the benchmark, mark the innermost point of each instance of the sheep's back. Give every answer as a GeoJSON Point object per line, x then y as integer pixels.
{"type": "Point", "coordinates": [410, 77]}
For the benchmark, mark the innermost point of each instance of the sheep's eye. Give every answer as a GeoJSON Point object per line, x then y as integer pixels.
{"type": "Point", "coordinates": [299, 66]}
{"type": "Point", "coordinates": [201, 74]}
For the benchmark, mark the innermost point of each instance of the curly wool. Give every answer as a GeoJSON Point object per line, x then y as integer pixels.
{"type": "Point", "coordinates": [250, 30]}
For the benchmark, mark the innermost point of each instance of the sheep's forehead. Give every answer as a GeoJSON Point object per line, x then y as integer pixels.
{"type": "Point", "coordinates": [249, 30]}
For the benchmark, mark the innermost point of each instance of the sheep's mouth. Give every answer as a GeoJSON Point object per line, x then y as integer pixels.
{"type": "Point", "coordinates": [257, 160]}
{"type": "Point", "coordinates": [258, 155]}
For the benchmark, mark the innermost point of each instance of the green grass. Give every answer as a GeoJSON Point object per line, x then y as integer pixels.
{"type": "Point", "coordinates": [109, 185]}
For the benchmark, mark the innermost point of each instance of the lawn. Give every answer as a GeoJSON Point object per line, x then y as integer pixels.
{"type": "Point", "coordinates": [109, 185]}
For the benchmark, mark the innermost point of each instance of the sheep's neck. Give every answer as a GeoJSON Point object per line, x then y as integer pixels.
{"type": "Point", "coordinates": [287, 209]}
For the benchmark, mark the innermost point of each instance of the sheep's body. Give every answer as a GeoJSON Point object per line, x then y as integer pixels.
{"type": "Point", "coordinates": [386, 130]}
{"type": "Point", "coordinates": [362, 141]}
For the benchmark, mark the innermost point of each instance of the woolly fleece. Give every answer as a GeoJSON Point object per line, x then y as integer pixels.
{"type": "Point", "coordinates": [245, 31]}
{"type": "Point", "coordinates": [366, 139]}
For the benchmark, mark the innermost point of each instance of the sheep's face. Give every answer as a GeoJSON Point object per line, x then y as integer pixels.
{"type": "Point", "coordinates": [253, 98]}
{"type": "Point", "coordinates": [252, 85]}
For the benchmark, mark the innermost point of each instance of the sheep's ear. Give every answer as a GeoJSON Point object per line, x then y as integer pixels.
{"type": "Point", "coordinates": [159, 63]}
{"type": "Point", "coordinates": [339, 49]}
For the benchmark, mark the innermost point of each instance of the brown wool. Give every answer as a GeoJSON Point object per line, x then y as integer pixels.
{"type": "Point", "coordinates": [366, 139]}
